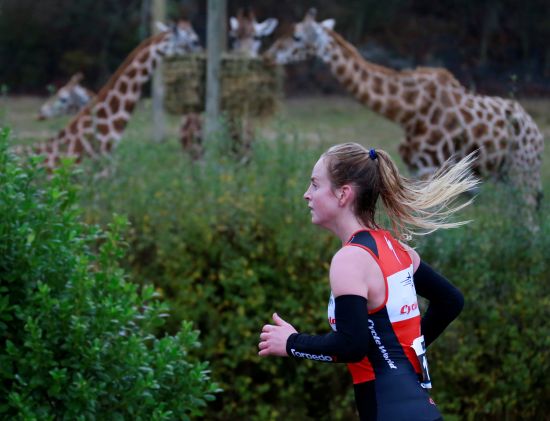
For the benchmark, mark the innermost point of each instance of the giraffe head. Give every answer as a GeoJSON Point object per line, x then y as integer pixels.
{"type": "Point", "coordinates": [179, 39]}
{"type": "Point", "coordinates": [70, 99]}
{"type": "Point", "coordinates": [308, 39]}
{"type": "Point", "coordinates": [246, 33]}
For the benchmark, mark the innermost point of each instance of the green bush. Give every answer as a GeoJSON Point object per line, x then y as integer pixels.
{"type": "Point", "coordinates": [76, 337]}
{"type": "Point", "coordinates": [494, 363]}
{"type": "Point", "coordinates": [229, 243]}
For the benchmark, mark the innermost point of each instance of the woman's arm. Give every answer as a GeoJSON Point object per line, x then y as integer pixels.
{"type": "Point", "coordinates": [350, 341]}
{"type": "Point", "coordinates": [446, 301]}
{"type": "Point", "coordinates": [348, 344]}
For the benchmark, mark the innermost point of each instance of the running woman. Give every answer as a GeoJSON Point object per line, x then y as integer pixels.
{"type": "Point", "coordinates": [373, 311]}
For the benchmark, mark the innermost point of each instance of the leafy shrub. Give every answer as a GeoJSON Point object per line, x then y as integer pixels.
{"type": "Point", "coordinates": [228, 244]}
{"type": "Point", "coordinates": [494, 362]}
{"type": "Point", "coordinates": [76, 336]}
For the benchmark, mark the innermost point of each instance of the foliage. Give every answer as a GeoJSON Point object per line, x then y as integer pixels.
{"type": "Point", "coordinates": [480, 41]}
{"type": "Point", "coordinates": [495, 361]}
{"type": "Point", "coordinates": [62, 37]}
{"type": "Point", "coordinates": [76, 337]}
{"type": "Point", "coordinates": [230, 243]}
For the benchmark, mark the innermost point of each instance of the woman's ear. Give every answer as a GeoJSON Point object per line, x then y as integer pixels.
{"type": "Point", "coordinates": [346, 195]}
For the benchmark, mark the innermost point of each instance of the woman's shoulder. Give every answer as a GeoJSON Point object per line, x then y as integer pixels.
{"type": "Point", "coordinates": [352, 258]}
{"type": "Point", "coordinates": [352, 270]}
{"type": "Point", "coordinates": [349, 271]}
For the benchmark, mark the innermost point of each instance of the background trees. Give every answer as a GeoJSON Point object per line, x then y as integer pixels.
{"type": "Point", "coordinates": [484, 43]}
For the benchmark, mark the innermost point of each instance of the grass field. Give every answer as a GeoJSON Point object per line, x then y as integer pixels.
{"type": "Point", "coordinates": [319, 120]}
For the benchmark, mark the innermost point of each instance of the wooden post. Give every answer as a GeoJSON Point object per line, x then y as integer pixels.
{"type": "Point", "coordinates": [158, 14]}
{"type": "Point", "coordinates": [216, 30]}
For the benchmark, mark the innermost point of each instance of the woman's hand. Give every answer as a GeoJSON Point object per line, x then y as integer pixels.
{"type": "Point", "coordinates": [273, 338]}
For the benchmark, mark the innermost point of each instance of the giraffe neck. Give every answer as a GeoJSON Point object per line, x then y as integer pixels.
{"type": "Point", "coordinates": [99, 126]}
{"type": "Point", "coordinates": [378, 87]}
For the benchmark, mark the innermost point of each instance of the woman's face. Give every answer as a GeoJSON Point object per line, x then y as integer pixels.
{"type": "Point", "coordinates": [322, 200]}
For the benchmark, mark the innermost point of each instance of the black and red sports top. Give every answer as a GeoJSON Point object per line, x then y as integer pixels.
{"type": "Point", "coordinates": [384, 347]}
{"type": "Point", "coordinates": [394, 325]}
{"type": "Point", "coordinates": [390, 382]}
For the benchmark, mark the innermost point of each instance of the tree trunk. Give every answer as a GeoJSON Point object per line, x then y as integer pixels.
{"type": "Point", "coordinates": [216, 29]}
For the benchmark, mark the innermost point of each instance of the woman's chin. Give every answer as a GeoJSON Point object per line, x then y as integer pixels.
{"type": "Point", "coordinates": [315, 221]}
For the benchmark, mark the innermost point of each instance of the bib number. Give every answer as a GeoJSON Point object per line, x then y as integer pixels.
{"type": "Point", "coordinates": [420, 349]}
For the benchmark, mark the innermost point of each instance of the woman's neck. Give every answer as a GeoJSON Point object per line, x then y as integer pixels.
{"type": "Point", "coordinates": [346, 228]}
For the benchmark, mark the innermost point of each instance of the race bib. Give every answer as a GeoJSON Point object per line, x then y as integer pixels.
{"type": "Point", "coordinates": [420, 349]}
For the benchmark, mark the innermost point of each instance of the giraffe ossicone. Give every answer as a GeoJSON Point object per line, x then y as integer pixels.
{"type": "Point", "coordinates": [440, 118]}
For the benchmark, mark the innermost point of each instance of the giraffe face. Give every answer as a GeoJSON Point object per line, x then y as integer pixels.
{"type": "Point", "coordinates": [180, 39]}
{"type": "Point", "coordinates": [308, 39]}
{"type": "Point", "coordinates": [246, 33]}
{"type": "Point", "coordinates": [70, 99]}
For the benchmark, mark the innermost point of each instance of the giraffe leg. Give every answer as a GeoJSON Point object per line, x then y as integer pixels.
{"type": "Point", "coordinates": [191, 135]}
{"type": "Point", "coordinates": [248, 137]}
{"type": "Point", "coordinates": [525, 180]}
{"type": "Point", "coordinates": [421, 161]}
{"type": "Point", "coordinates": [105, 167]}
{"type": "Point", "coordinates": [241, 131]}
{"type": "Point", "coordinates": [404, 150]}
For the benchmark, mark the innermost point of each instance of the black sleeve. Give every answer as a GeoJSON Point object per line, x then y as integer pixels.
{"type": "Point", "coordinates": [348, 344]}
{"type": "Point", "coordinates": [446, 301]}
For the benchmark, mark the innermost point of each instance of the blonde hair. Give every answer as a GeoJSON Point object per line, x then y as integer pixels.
{"type": "Point", "coordinates": [409, 204]}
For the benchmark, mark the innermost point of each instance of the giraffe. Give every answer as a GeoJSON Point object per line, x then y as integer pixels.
{"type": "Point", "coordinates": [69, 99]}
{"type": "Point", "coordinates": [440, 118]}
{"type": "Point", "coordinates": [246, 34]}
{"type": "Point", "coordinates": [98, 127]}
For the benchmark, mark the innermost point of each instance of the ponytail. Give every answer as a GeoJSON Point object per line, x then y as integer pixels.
{"type": "Point", "coordinates": [414, 207]}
